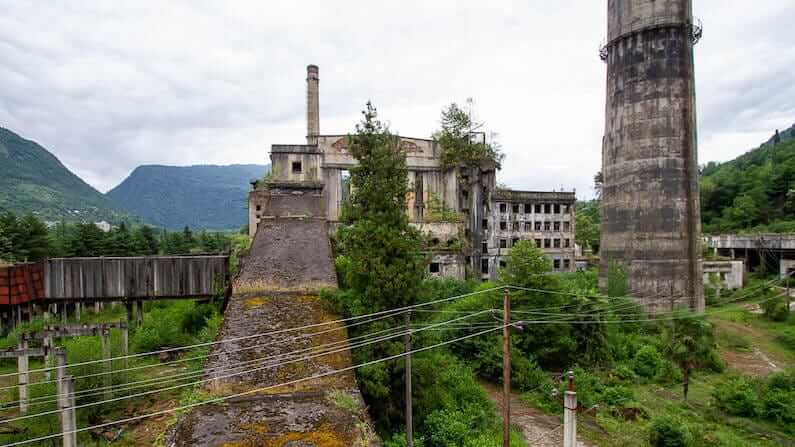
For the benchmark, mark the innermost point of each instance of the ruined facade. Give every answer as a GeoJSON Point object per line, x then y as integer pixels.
{"type": "Point", "coordinates": [471, 225]}
{"type": "Point", "coordinates": [650, 200]}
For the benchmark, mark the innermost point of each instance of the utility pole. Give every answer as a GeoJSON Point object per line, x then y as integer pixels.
{"type": "Point", "coordinates": [506, 368]}
{"type": "Point", "coordinates": [570, 414]}
{"type": "Point", "coordinates": [409, 411]}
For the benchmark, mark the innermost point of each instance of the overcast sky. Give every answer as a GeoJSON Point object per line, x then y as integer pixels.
{"type": "Point", "coordinates": [107, 87]}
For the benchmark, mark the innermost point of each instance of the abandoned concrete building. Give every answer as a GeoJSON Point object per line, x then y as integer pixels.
{"type": "Point", "coordinates": [470, 223]}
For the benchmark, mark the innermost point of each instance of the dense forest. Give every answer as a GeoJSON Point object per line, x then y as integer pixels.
{"type": "Point", "coordinates": [752, 193]}
{"type": "Point", "coordinates": [27, 238]}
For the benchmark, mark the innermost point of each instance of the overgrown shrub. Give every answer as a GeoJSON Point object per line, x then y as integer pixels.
{"type": "Point", "coordinates": [736, 396]}
{"type": "Point", "coordinates": [714, 363]}
{"type": "Point", "coordinates": [196, 318]}
{"type": "Point", "coordinates": [668, 372]}
{"type": "Point", "coordinates": [625, 372]}
{"type": "Point", "coordinates": [669, 431]}
{"type": "Point", "coordinates": [779, 405]}
{"type": "Point", "coordinates": [162, 327]}
{"type": "Point", "coordinates": [647, 361]}
{"type": "Point", "coordinates": [775, 309]}
{"type": "Point", "coordinates": [787, 338]}
{"type": "Point", "coordinates": [617, 395]}
{"type": "Point", "coordinates": [526, 375]}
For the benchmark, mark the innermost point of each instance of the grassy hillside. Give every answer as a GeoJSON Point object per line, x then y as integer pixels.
{"type": "Point", "coordinates": [32, 180]}
{"type": "Point", "coordinates": [754, 192]}
{"type": "Point", "coordinates": [202, 197]}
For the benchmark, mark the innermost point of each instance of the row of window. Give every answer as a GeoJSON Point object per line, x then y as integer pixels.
{"type": "Point", "coordinates": [540, 243]}
{"type": "Point", "coordinates": [556, 263]}
{"type": "Point", "coordinates": [540, 208]}
{"type": "Point", "coordinates": [530, 226]}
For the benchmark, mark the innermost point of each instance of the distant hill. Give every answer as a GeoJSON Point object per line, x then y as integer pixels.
{"type": "Point", "coordinates": [753, 192]}
{"type": "Point", "coordinates": [32, 180]}
{"type": "Point", "coordinates": [203, 196]}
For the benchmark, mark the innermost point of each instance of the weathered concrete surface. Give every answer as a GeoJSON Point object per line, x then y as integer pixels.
{"type": "Point", "coordinates": [287, 255]}
{"type": "Point", "coordinates": [650, 200]}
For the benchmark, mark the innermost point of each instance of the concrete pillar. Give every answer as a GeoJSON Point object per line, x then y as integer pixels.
{"type": "Point", "coordinates": [22, 369]}
{"type": "Point", "coordinates": [49, 345]}
{"type": "Point", "coordinates": [312, 104]}
{"type": "Point", "coordinates": [125, 346]}
{"type": "Point", "coordinates": [60, 373]}
{"type": "Point", "coordinates": [78, 309]}
{"type": "Point", "coordinates": [570, 419]}
{"type": "Point", "coordinates": [68, 418]}
{"type": "Point", "coordinates": [108, 364]}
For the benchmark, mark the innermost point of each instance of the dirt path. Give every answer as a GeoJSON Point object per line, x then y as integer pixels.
{"type": "Point", "coordinates": [537, 428]}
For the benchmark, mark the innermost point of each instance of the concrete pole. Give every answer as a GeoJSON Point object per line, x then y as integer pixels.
{"type": "Point", "coordinates": [48, 352]}
{"type": "Point", "coordinates": [139, 313]}
{"type": "Point", "coordinates": [68, 418]}
{"type": "Point", "coordinates": [125, 343]}
{"type": "Point", "coordinates": [506, 369]}
{"type": "Point", "coordinates": [105, 338]}
{"type": "Point", "coordinates": [570, 414]}
{"type": "Point", "coordinates": [60, 373]}
{"type": "Point", "coordinates": [22, 366]}
{"type": "Point", "coordinates": [409, 410]}
{"type": "Point", "coordinates": [78, 308]}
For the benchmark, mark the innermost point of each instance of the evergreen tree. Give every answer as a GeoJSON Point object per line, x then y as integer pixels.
{"type": "Point", "coordinates": [144, 241]}
{"type": "Point", "coordinates": [120, 242]}
{"type": "Point", "coordinates": [87, 240]}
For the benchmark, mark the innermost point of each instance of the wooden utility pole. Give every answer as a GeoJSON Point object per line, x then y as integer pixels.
{"type": "Point", "coordinates": [506, 368]}
{"type": "Point", "coordinates": [409, 411]}
{"type": "Point", "coordinates": [570, 414]}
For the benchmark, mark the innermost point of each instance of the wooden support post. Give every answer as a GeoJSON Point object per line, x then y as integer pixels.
{"type": "Point", "coordinates": [506, 369]}
{"type": "Point", "coordinates": [108, 364]}
{"type": "Point", "coordinates": [570, 414]}
{"type": "Point", "coordinates": [22, 366]}
{"type": "Point", "coordinates": [409, 410]}
{"type": "Point", "coordinates": [67, 406]}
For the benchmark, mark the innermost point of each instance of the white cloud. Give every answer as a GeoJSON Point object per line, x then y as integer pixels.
{"type": "Point", "coordinates": [108, 86]}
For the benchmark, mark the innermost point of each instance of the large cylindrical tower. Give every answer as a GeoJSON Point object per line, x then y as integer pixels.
{"type": "Point", "coordinates": [651, 223]}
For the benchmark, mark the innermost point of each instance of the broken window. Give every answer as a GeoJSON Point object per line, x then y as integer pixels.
{"type": "Point", "coordinates": [514, 242]}
{"type": "Point", "coordinates": [547, 243]}
{"type": "Point", "coordinates": [484, 266]}
{"type": "Point", "coordinates": [503, 225]}
{"type": "Point", "coordinates": [547, 208]}
{"type": "Point", "coordinates": [435, 267]}
{"type": "Point", "coordinates": [557, 226]}
{"type": "Point", "coordinates": [557, 208]}
{"type": "Point", "coordinates": [538, 243]}
{"type": "Point", "coordinates": [503, 243]}
{"type": "Point", "coordinates": [434, 242]}
{"type": "Point", "coordinates": [566, 264]}
{"type": "Point", "coordinates": [484, 247]}
{"type": "Point", "coordinates": [297, 167]}
{"type": "Point", "coordinates": [485, 224]}
{"type": "Point", "coordinates": [502, 264]}
{"type": "Point", "coordinates": [527, 227]}
{"type": "Point", "coordinates": [566, 243]}
{"type": "Point", "coordinates": [259, 207]}
{"type": "Point", "coordinates": [503, 208]}
{"type": "Point", "coordinates": [556, 264]}
{"type": "Point", "coordinates": [566, 226]}
{"type": "Point", "coordinates": [538, 226]}
{"type": "Point", "coordinates": [538, 208]}
{"type": "Point", "coordinates": [516, 208]}
{"type": "Point", "coordinates": [566, 209]}
{"type": "Point", "coordinates": [556, 243]}
{"type": "Point", "coordinates": [516, 226]}
{"type": "Point", "coordinates": [546, 226]}
{"type": "Point", "coordinates": [528, 208]}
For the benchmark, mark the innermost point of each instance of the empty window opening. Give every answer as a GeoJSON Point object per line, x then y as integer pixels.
{"type": "Point", "coordinates": [484, 266]}
{"type": "Point", "coordinates": [514, 241]}
{"type": "Point", "coordinates": [538, 208]}
{"type": "Point", "coordinates": [557, 208]}
{"type": "Point", "coordinates": [485, 224]}
{"type": "Point", "coordinates": [528, 208]}
{"type": "Point", "coordinates": [503, 225]}
{"type": "Point", "coordinates": [502, 264]}
{"type": "Point", "coordinates": [547, 208]}
{"type": "Point", "coordinates": [435, 268]}
{"type": "Point", "coordinates": [516, 208]}
{"type": "Point", "coordinates": [259, 207]}
{"type": "Point", "coordinates": [503, 208]}
{"type": "Point", "coordinates": [527, 227]}
{"type": "Point", "coordinates": [547, 243]}
{"type": "Point", "coordinates": [538, 226]}
{"type": "Point", "coordinates": [546, 226]}
{"type": "Point", "coordinates": [566, 264]}
{"type": "Point", "coordinates": [556, 264]}
{"type": "Point", "coordinates": [297, 168]}
{"type": "Point", "coordinates": [484, 247]}
{"type": "Point", "coordinates": [503, 243]}
{"type": "Point", "coordinates": [556, 243]}
{"type": "Point", "coordinates": [434, 242]}
{"type": "Point", "coordinates": [538, 243]}
{"type": "Point", "coordinates": [557, 226]}
{"type": "Point", "coordinates": [566, 243]}
{"type": "Point", "coordinates": [516, 226]}
{"type": "Point", "coordinates": [566, 226]}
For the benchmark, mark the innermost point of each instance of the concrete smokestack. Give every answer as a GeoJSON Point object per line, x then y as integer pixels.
{"type": "Point", "coordinates": [312, 104]}
{"type": "Point", "coordinates": [651, 222]}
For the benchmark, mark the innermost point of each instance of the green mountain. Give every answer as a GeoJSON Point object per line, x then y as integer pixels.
{"type": "Point", "coordinates": [32, 180]}
{"type": "Point", "coordinates": [753, 192]}
{"type": "Point", "coordinates": [203, 197]}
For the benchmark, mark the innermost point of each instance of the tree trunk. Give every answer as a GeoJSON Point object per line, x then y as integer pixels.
{"type": "Point", "coordinates": [686, 381]}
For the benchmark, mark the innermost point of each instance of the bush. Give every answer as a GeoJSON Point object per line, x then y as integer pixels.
{"type": "Point", "coordinates": [647, 361]}
{"type": "Point", "coordinates": [526, 375]}
{"type": "Point", "coordinates": [736, 396]}
{"type": "Point", "coordinates": [714, 363]}
{"type": "Point", "coordinates": [668, 373]}
{"type": "Point", "coordinates": [195, 319]}
{"type": "Point", "coordinates": [617, 396]}
{"type": "Point", "coordinates": [779, 405]}
{"type": "Point", "coordinates": [162, 328]}
{"type": "Point", "coordinates": [625, 373]}
{"type": "Point", "coordinates": [782, 380]}
{"type": "Point", "coordinates": [669, 431]}
{"type": "Point", "coordinates": [787, 338]}
{"type": "Point", "coordinates": [775, 309]}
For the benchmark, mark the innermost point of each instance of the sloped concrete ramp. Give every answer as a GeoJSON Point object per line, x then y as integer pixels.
{"type": "Point", "coordinates": [290, 261]}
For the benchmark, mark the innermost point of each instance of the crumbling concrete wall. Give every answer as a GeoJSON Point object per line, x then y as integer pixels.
{"type": "Point", "coordinates": [650, 200]}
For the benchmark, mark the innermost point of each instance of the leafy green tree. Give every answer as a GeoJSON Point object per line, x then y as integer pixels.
{"type": "Point", "coordinates": [460, 146]}
{"type": "Point", "coordinates": [689, 341]}
{"type": "Point", "coordinates": [386, 265]}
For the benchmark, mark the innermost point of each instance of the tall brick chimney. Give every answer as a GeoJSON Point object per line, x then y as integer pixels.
{"type": "Point", "coordinates": [312, 104]}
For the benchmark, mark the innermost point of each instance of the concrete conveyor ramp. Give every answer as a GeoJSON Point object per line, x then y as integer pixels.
{"type": "Point", "coordinates": [290, 260]}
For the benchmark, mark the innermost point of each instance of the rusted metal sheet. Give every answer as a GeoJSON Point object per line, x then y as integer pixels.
{"type": "Point", "coordinates": [21, 283]}
{"type": "Point", "coordinates": [135, 277]}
